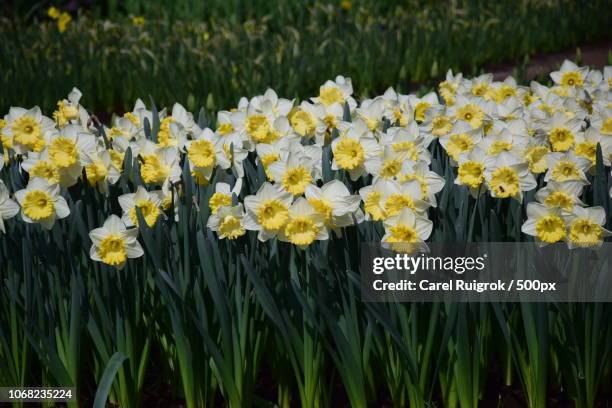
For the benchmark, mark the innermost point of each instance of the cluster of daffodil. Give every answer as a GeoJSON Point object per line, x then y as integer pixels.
{"type": "Point", "coordinates": [499, 136]}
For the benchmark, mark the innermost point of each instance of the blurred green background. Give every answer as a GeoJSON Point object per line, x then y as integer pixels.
{"type": "Point", "coordinates": [210, 53]}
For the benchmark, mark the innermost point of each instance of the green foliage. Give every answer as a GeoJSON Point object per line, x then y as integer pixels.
{"type": "Point", "coordinates": [230, 49]}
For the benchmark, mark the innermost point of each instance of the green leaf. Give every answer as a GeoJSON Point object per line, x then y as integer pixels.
{"type": "Point", "coordinates": [113, 365]}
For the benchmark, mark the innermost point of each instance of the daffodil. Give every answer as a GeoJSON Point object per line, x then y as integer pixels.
{"type": "Point", "coordinates": [113, 244]}
{"type": "Point", "coordinates": [385, 198]}
{"type": "Point", "coordinates": [544, 223]}
{"type": "Point", "coordinates": [267, 211]}
{"type": "Point", "coordinates": [371, 111]}
{"type": "Point", "coordinates": [461, 139]}
{"type": "Point", "coordinates": [508, 177]}
{"type": "Point", "coordinates": [293, 174]}
{"type": "Point", "coordinates": [8, 207]}
{"type": "Point", "coordinates": [562, 132]}
{"type": "Point", "coordinates": [336, 92]}
{"type": "Point", "coordinates": [159, 165]}
{"type": "Point", "coordinates": [41, 203]}
{"type": "Point", "coordinates": [39, 165]}
{"type": "Point", "coordinates": [398, 109]}
{"type": "Point", "coordinates": [335, 203]}
{"type": "Point", "coordinates": [437, 123]}
{"type": "Point", "coordinates": [223, 195]}
{"type": "Point", "coordinates": [149, 203]}
{"type": "Point", "coordinates": [227, 222]}
{"type": "Point", "coordinates": [356, 151]}
{"type": "Point", "coordinates": [479, 87]}
{"type": "Point", "coordinates": [585, 227]}
{"type": "Point", "coordinates": [535, 154]}
{"type": "Point", "coordinates": [304, 225]}
{"type": "Point", "coordinates": [431, 183]}
{"type": "Point", "coordinates": [566, 167]}
{"type": "Point", "coordinates": [570, 75]}
{"type": "Point", "coordinates": [27, 129]}
{"type": "Point", "coordinates": [470, 112]}
{"type": "Point", "coordinates": [99, 170]}
{"type": "Point", "coordinates": [406, 232]}
{"type": "Point", "coordinates": [564, 194]}
{"type": "Point", "coordinates": [449, 87]}
{"type": "Point", "coordinates": [420, 106]}
{"type": "Point", "coordinates": [69, 110]}
{"type": "Point", "coordinates": [471, 171]}
{"type": "Point", "coordinates": [67, 151]}
{"type": "Point", "coordinates": [408, 142]}
{"type": "Point", "coordinates": [307, 121]}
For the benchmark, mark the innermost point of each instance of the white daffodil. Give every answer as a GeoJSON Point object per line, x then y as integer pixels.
{"type": "Point", "coordinates": [535, 154]}
{"type": "Point", "coordinates": [204, 154]}
{"type": "Point", "coordinates": [122, 128]}
{"type": "Point", "coordinates": [501, 140]}
{"type": "Point", "coordinates": [510, 109]}
{"type": "Point", "coordinates": [8, 207]}
{"type": "Point", "coordinates": [257, 126]}
{"type": "Point", "coordinates": [386, 198]}
{"type": "Point", "coordinates": [471, 170]}
{"type": "Point", "coordinates": [502, 91]}
{"type": "Point", "coordinates": [335, 203]}
{"type": "Point", "coordinates": [507, 177]}
{"type": "Point", "coordinates": [40, 165]}
{"type": "Point", "coordinates": [159, 165]}
{"type": "Point", "coordinates": [570, 75]}
{"type": "Point", "coordinates": [70, 111]}
{"type": "Point", "coordinates": [270, 102]}
{"type": "Point", "coordinates": [27, 129]}
{"type": "Point", "coordinates": [398, 109]}
{"type": "Point", "coordinates": [222, 196]}
{"type": "Point", "coordinates": [566, 166]}
{"type": "Point", "coordinates": [420, 106]}
{"type": "Point", "coordinates": [227, 222]}
{"type": "Point", "coordinates": [113, 244]}
{"type": "Point", "coordinates": [479, 87]}
{"type": "Point", "coordinates": [544, 223]}
{"type": "Point", "coordinates": [149, 203]}
{"type": "Point", "coordinates": [356, 151]}
{"type": "Point", "coordinates": [42, 203]}
{"type": "Point", "coordinates": [407, 140]}
{"type": "Point", "coordinates": [586, 145]}
{"type": "Point", "coordinates": [449, 87]}
{"type": "Point", "coordinates": [304, 226]}
{"type": "Point", "coordinates": [336, 92]}
{"type": "Point", "coordinates": [406, 232]}
{"type": "Point", "coordinates": [185, 119]}
{"type": "Point", "coordinates": [586, 227]}
{"type": "Point", "coordinates": [225, 128]}
{"type": "Point", "coordinates": [437, 123]}
{"type": "Point", "coordinates": [68, 151]}
{"type": "Point", "coordinates": [431, 183]}
{"type": "Point", "coordinates": [99, 170]}
{"type": "Point", "coordinates": [293, 174]}
{"type": "Point", "coordinates": [140, 114]}
{"type": "Point", "coordinates": [267, 211]}
{"type": "Point", "coordinates": [562, 132]}
{"type": "Point", "coordinates": [391, 163]}
{"type": "Point", "coordinates": [461, 139]}
{"type": "Point", "coordinates": [469, 111]}
{"type": "Point", "coordinates": [563, 194]}
{"type": "Point", "coordinates": [270, 153]}
{"type": "Point", "coordinates": [371, 111]}
{"type": "Point", "coordinates": [307, 120]}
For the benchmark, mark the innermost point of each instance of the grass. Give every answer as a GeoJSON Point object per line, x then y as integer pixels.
{"type": "Point", "coordinates": [215, 59]}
